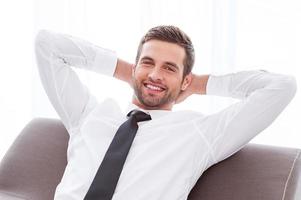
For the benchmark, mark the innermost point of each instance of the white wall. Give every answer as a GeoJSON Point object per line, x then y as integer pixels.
{"type": "Point", "coordinates": [229, 35]}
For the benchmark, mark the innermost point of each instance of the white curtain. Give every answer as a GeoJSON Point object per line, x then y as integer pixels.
{"type": "Point", "coordinates": [228, 35]}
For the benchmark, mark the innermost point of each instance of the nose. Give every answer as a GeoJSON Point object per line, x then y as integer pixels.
{"type": "Point", "coordinates": [155, 74]}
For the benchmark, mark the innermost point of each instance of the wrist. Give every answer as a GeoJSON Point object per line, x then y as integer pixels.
{"type": "Point", "coordinates": [123, 71]}
{"type": "Point", "coordinates": [199, 84]}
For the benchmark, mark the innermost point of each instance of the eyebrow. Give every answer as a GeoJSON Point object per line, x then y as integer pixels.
{"type": "Point", "coordinates": [167, 62]}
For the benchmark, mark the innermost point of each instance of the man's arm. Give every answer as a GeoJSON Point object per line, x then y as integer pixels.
{"type": "Point", "coordinates": [124, 71]}
{"type": "Point", "coordinates": [55, 54]}
{"type": "Point", "coordinates": [263, 96]}
{"type": "Point", "coordinates": [197, 86]}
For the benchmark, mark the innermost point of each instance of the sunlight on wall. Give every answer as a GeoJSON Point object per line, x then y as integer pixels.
{"type": "Point", "coordinates": [268, 37]}
{"type": "Point", "coordinates": [15, 68]}
{"type": "Point", "coordinates": [228, 35]}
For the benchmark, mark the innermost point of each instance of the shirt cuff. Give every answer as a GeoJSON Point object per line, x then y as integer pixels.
{"type": "Point", "coordinates": [105, 61]}
{"type": "Point", "coordinates": [218, 85]}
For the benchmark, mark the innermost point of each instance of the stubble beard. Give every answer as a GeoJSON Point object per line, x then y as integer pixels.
{"type": "Point", "coordinates": [153, 101]}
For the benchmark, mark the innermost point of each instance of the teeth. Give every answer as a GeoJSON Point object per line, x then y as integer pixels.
{"type": "Point", "coordinates": [154, 87]}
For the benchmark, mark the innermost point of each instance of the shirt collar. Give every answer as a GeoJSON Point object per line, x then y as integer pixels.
{"type": "Point", "coordinates": [153, 113]}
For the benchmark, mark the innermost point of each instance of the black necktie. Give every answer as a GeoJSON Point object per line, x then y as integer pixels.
{"type": "Point", "coordinates": [106, 178]}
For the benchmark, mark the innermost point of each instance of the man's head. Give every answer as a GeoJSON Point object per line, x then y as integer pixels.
{"type": "Point", "coordinates": [165, 58]}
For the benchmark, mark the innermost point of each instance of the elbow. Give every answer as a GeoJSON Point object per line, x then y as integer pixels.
{"type": "Point", "coordinates": [40, 36]}
{"type": "Point", "coordinates": [288, 87]}
{"type": "Point", "coordinates": [291, 86]}
{"type": "Point", "coordinates": [43, 44]}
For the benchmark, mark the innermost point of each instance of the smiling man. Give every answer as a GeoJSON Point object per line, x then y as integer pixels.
{"type": "Point", "coordinates": [158, 76]}
{"type": "Point", "coordinates": [162, 72]}
{"type": "Point", "coordinates": [171, 151]}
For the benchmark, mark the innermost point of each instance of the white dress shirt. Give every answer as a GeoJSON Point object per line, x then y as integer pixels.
{"type": "Point", "coordinates": [171, 151]}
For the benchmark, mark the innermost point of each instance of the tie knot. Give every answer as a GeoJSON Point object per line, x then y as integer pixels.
{"type": "Point", "coordinates": [139, 115]}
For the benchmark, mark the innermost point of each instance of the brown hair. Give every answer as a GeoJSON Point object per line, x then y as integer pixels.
{"type": "Point", "coordinates": [174, 35]}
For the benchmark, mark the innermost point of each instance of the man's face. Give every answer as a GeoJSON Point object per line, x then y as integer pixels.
{"type": "Point", "coordinates": [158, 76]}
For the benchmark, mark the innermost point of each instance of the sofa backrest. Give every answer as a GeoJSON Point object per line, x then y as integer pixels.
{"type": "Point", "coordinates": [34, 165]}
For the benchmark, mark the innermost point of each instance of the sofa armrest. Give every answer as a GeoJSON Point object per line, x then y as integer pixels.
{"type": "Point", "coordinates": [255, 172]}
{"type": "Point", "coordinates": [35, 162]}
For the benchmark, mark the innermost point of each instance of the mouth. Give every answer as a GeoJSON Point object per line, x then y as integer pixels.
{"type": "Point", "coordinates": [154, 88]}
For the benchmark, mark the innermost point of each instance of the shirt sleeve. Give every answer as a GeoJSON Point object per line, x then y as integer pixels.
{"type": "Point", "coordinates": [263, 96]}
{"type": "Point", "coordinates": [56, 54]}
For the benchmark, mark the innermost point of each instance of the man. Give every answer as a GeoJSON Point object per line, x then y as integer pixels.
{"type": "Point", "coordinates": [172, 150]}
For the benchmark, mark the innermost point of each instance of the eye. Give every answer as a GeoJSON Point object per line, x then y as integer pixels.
{"type": "Point", "coordinates": [170, 68]}
{"type": "Point", "coordinates": [146, 63]}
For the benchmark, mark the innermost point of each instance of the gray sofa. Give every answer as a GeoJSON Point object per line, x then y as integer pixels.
{"type": "Point", "coordinates": [35, 163]}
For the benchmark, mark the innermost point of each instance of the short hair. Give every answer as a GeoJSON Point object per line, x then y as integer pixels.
{"type": "Point", "coordinates": [173, 34]}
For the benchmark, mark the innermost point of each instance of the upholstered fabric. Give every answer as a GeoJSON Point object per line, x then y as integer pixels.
{"type": "Point", "coordinates": [35, 163]}
{"type": "Point", "coordinates": [255, 172]}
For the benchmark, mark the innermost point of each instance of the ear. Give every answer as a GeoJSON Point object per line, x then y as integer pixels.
{"type": "Point", "coordinates": [133, 69]}
{"type": "Point", "coordinates": [187, 81]}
